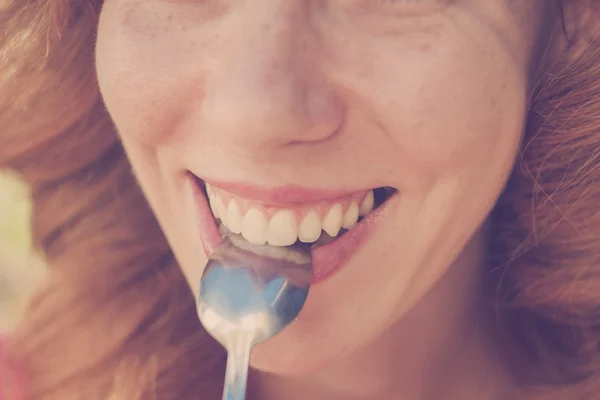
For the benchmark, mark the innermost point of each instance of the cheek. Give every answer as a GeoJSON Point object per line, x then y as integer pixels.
{"type": "Point", "coordinates": [127, 88]}
{"type": "Point", "coordinates": [148, 82]}
{"type": "Point", "coordinates": [466, 114]}
{"type": "Point", "coordinates": [447, 107]}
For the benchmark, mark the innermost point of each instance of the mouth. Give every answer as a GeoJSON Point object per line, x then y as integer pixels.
{"type": "Point", "coordinates": [332, 225]}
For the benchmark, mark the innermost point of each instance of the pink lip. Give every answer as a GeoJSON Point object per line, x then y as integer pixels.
{"type": "Point", "coordinates": [326, 259]}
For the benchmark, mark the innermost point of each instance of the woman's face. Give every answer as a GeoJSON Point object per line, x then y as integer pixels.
{"type": "Point", "coordinates": [294, 110]}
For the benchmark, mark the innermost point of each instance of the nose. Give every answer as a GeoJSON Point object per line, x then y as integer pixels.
{"type": "Point", "coordinates": [265, 90]}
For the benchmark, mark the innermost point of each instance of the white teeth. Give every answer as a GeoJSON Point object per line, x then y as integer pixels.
{"type": "Point", "coordinates": [282, 229]}
{"type": "Point", "coordinates": [212, 200]}
{"type": "Point", "coordinates": [213, 205]}
{"type": "Point", "coordinates": [221, 209]}
{"type": "Point", "coordinates": [332, 223]}
{"type": "Point", "coordinates": [367, 204]}
{"type": "Point", "coordinates": [254, 227]}
{"type": "Point", "coordinates": [234, 217]}
{"type": "Point", "coordinates": [280, 253]}
{"type": "Point", "coordinates": [351, 216]}
{"type": "Point", "coordinates": [310, 228]}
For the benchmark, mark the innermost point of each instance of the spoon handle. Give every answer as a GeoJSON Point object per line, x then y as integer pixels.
{"type": "Point", "coordinates": [236, 372]}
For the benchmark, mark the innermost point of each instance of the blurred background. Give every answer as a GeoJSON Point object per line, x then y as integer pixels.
{"type": "Point", "coordinates": [20, 268]}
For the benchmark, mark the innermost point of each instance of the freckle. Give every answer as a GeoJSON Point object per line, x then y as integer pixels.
{"type": "Point", "coordinates": [424, 47]}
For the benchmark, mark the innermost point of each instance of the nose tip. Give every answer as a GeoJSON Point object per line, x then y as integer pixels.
{"type": "Point", "coordinates": [270, 109]}
{"type": "Point", "coordinates": [265, 87]}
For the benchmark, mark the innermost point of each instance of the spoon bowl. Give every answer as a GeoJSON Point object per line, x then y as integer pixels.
{"type": "Point", "coordinates": [248, 294]}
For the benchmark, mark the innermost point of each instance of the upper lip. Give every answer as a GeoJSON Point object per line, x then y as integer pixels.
{"type": "Point", "coordinates": [285, 195]}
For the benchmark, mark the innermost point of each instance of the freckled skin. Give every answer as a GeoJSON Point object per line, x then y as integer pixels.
{"type": "Point", "coordinates": [428, 97]}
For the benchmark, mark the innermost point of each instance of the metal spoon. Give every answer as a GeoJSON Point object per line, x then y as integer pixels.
{"type": "Point", "coordinates": [249, 293]}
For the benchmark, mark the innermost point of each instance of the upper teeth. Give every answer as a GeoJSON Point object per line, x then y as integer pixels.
{"type": "Point", "coordinates": [284, 226]}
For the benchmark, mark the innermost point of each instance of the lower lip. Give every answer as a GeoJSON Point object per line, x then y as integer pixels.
{"type": "Point", "coordinates": [327, 259]}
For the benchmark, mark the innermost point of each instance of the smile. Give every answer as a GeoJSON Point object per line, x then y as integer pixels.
{"type": "Point", "coordinates": [333, 224]}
